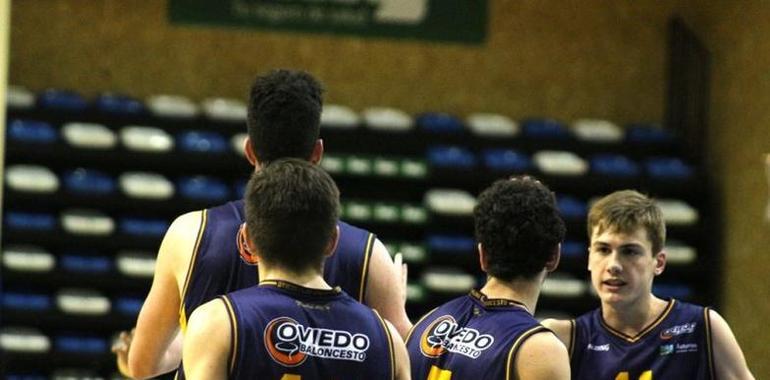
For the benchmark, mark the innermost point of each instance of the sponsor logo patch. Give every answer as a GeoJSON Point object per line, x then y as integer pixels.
{"type": "Point", "coordinates": [444, 334]}
{"type": "Point", "coordinates": [598, 347]}
{"type": "Point", "coordinates": [289, 343]}
{"type": "Point", "coordinates": [687, 328]}
{"type": "Point", "coordinates": [666, 349]}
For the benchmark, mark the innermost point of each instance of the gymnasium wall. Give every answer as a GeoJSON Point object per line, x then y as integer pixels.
{"type": "Point", "coordinates": [564, 59]}
{"type": "Point", "coordinates": [736, 33]}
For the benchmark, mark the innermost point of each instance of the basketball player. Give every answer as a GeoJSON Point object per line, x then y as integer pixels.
{"type": "Point", "coordinates": [634, 334]}
{"type": "Point", "coordinates": [490, 334]}
{"type": "Point", "coordinates": [201, 256]}
{"type": "Point", "coordinates": [293, 325]}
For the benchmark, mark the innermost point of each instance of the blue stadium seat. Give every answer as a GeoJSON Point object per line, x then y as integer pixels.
{"type": "Point", "coordinates": [203, 188]}
{"type": "Point", "coordinates": [119, 105]}
{"type": "Point", "coordinates": [61, 100]}
{"type": "Point", "coordinates": [647, 133]}
{"type": "Point", "coordinates": [26, 301]}
{"type": "Point", "coordinates": [614, 165]}
{"type": "Point", "coordinates": [507, 160]}
{"type": "Point", "coordinates": [89, 182]}
{"type": "Point", "coordinates": [668, 168]}
{"type": "Point", "coordinates": [451, 157]}
{"type": "Point", "coordinates": [143, 226]}
{"type": "Point", "coordinates": [574, 249]}
{"type": "Point", "coordinates": [451, 243]}
{"type": "Point", "coordinates": [30, 220]}
{"type": "Point", "coordinates": [545, 129]}
{"type": "Point", "coordinates": [31, 131]}
{"type": "Point", "coordinates": [571, 207]}
{"type": "Point", "coordinates": [201, 142]}
{"type": "Point", "coordinates": [128, 305]}
{"type": "Point", "coordinates": [85, 264]}
{"type": "Point", "coordinates": [438, 122]}
{"type": "Point", "coordinates": [86, 344]}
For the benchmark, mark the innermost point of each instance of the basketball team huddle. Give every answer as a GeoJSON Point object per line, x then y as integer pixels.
{"type": "Point", "coordinates": [275, 286]}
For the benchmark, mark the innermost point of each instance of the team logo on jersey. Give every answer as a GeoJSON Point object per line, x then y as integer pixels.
{"type": "Point", "coordinates": [444, 334]}
{"type": "Point", "coordinates": [289, 343]}
{"type": "Point", "coordinates": [687, 328]}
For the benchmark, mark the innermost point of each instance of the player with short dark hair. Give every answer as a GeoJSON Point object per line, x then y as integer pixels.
{"type": "Point", "coordinates": [200, 258]}
{"type": "Point", "coordinates": [292, 325]}
{"type": "Point", "coordinates": [491, 333]}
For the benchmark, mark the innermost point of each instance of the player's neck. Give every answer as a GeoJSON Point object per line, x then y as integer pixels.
{"type": "Point", "coordinates": [524, 291]}
{"type": "Point", "coordinates": [632, 318]}
{"type": "Point", "coordinates": [308, 279]}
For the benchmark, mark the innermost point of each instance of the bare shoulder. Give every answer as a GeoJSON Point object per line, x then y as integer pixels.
{"type": "Point", "coordinates": [561, 327]}
{"type": "Point", "coordinates": [542, 356]}
{"type": "Point", "coordinates": [179, 242]}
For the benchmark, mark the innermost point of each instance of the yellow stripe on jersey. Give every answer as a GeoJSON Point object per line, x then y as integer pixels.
{"type": "Point", "coordinates": [411, 330]}
{"type": "Point", "coordinates": [654, 324]}
{"type": "Point", "coordinates": [233, 332]}
{"type": "Point", "coordinates": [515, 348]}
{"type": "Point", "coordinates": [365, 268]}
{"type": "Point", "coordinates": [572, 337]}
{"type": "Point", "coordinates": [709, 352]}
{"type": "Point", "coordinates": [190, 268]}
{"type": "Point", "coordinates": [391, 351]}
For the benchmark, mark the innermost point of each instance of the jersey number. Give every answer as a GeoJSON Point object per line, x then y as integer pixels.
{"type": "Point", "coordinates": [437, 373]}
{"type": "Point", "coordinates": [646, 375]}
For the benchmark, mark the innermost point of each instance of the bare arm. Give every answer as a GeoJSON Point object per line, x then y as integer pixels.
{"type": "Point", "coordinates": [152, 350]}
{"type": "Point", "coordinates": [385, 289]}
{"type": "Point", "coordinates": [542, 357]}
{"type": "Point", "coordinates": [562, 328]}
{"type": "Point", "coordinates": [401, 356]}
{"type": "Point", "coordinates": [729, 362]}
{"type": "Point", "coordinates": [207, 342]}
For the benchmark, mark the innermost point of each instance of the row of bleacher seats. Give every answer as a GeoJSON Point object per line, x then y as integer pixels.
{"type": "Point", "coordinates": [551, 162]}
{"type": "Point", "coordinates": [336, 116]}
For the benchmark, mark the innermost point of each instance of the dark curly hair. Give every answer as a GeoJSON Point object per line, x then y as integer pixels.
{"type": "Point", "coordinates": [292, 208]}
{"type": "Point", "coordinates": [284, 115]}
{"type": "Point", "coordinates": [519, 226]}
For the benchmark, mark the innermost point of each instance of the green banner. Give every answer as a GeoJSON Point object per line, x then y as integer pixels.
{"type": "Point", "coordinates": [462, 21]}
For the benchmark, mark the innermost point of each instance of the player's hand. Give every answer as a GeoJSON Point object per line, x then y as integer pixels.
{"type": "Point", "coordinates": [120, 348]}
{"type": "Point", "coordinates": [403, 270]}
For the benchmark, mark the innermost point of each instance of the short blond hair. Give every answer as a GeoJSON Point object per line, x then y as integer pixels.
{"type": "Point", "coordinates": [625, 211]}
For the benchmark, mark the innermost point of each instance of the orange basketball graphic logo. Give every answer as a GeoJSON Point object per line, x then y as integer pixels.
{"type": "Point", "coordinates": [282, 342]}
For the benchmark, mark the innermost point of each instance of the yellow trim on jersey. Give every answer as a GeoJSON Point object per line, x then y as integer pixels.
{"type": "Point", "coordinates": [233, 332]}
{"type": "Point", "coordinates": [365, 269]}
{"type": "Point", "coordinates": [641, 334]}
{"type": "Point", "coordinates": [414, 326]}
{"type": "Point", "coordinates": [515, 348]}
{"type": "Point", "coordinates": [390, 345]}
{"type": "Point", "coordinates": [572, 333]}
{"type": "Point", "coordinates": [190, 268]}
{"type": "Point", "coordinates": [709, 352]}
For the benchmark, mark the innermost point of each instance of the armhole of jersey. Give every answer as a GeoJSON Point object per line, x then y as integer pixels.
{"type": "Point", "coordinates": [233, 333]}
{"type": "Point", "coordinates": [414, 326]}
{"type": "Point", "coordinates": [515, 348]}
{"type": "Point", "coordinates": [572, 333]}
{"type": "Point", "coordinates": [391, 351]}
{"type": "Point", "coordinates": [709, 350]}
{"type": "Point", "coordinates": [190, 268]}
{"type": "Point", "coordinates": [365, 268]}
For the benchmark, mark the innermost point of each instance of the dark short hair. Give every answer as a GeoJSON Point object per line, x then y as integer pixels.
{"type": "Point", "coordinates": [519, 226]}
{"type": "Point", "coordinates": [292, 208]}
{"type": "Point", "coordinates": [626, 211]}
{"type": "Point", "coordinates": [284, 115]}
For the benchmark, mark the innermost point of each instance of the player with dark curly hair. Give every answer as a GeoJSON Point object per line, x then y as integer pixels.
{"type": "Point", "coordinates": [491, 333]}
